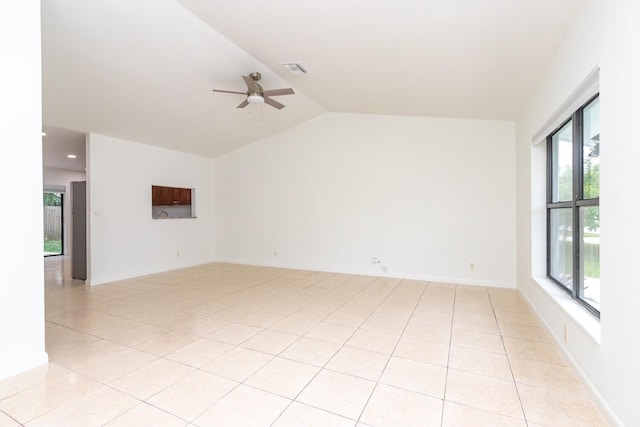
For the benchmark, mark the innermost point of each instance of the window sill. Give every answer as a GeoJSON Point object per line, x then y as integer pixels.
{"type": "Point", "coordinates": [585, 320]}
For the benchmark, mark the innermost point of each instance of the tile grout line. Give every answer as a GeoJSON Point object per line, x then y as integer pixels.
{"type": "Point", "coordinates": [205, 337]}
{"type": "Point", "coordinates": [524, 415]}
{"type": "Point", "coordinates": [446, 375]}
{"type": "Point", "coordinates": [273, 357]}
{"type": "Point", "coordinates": [341, 346]}
{"type": "Point", "coordinates": [19, 423]}
{"type": "Point", "coordinates": [336, 352]}
{"type": "Point", "coordinates": [157, 358]}
{"type": "Point", "coordinates": [265, 296]}
{"type": "Point", "coordinates": [394, 347]}
{"type": "Point", "coordinates": [239, 383]}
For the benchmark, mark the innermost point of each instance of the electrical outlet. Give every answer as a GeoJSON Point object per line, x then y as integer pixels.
{"type": "Point", "coordinates": [178, 253]}
{"type": "Point", "coordinates": [566, 333]}
{"type": "Point", "coordinates": [472, 265]}
{"type": "Point", "coordinates": [275, 252]}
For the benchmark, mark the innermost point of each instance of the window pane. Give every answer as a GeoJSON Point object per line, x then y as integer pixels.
{"type": "Point", "coordinates": [591, 150]}
{"type": "Point", "coordinates": [560, 246]}
{"type": "Point", "coordinates": [590, 251]}
{"type": "Point", "coordinates": [561, 173]}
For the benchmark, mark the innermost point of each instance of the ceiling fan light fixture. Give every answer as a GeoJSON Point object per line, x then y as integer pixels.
{"type": "Point", "coordinates": [255, 98]}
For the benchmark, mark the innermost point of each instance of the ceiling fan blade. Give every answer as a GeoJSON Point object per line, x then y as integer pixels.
{"type": "Point", "coordinates": [273, 103]}
{"type": "Point", "coordinates": [243, 104]}
{"type": "Point", "coordinates": [228, 91]}
{"type": "Point", "coordinates": [278, 92]}
{"type": "Point", "coordinates": [251, 84]}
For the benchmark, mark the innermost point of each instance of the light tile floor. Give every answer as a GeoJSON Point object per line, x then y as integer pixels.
{"type": "Point", "coordinates": [228, 345]}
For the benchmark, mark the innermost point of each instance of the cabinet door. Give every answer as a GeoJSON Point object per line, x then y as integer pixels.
{"type": "Point", "coordinates": [175, 195]}
{"type": "Point", "coordinates": [156, 196]}
{"type": "Point", "coordinates": [185, 196]}
{"type": "Point", "coordinates": [165, 196]}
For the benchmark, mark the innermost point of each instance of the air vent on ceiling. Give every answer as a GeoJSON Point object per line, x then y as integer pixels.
{"type": "Point", "coordinates": [295, 67]}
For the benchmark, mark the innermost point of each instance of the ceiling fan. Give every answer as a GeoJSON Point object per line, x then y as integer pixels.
{"type": "Point", "coordinates": [256, 95]}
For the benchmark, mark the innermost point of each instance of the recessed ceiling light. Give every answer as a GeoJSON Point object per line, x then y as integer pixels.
{"type": "Point", "coordinates": [44, 134]}
{"type": "Point", "coordinates": [295, 67]}
{"type": "Point", "coordinates": [71, 156]}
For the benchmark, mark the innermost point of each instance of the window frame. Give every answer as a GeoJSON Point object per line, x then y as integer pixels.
{"type": "Point", "coordinates": [577, 201]}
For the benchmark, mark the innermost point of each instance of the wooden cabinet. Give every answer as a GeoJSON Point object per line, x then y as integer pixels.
{"type": "Point", "coordinates": [160, 196]}
{"type": "Point", "coordinates": [155, 195]}
{"type": "Point", "coordinates": [181, 196]}
{"type": "Point", "coordinates": [185, 196]}
{"type": "Point", "coordinates": [167, 196]}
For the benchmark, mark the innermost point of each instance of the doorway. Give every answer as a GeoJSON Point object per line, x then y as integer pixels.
{"type": "Point", "coordinates": [53, 221]}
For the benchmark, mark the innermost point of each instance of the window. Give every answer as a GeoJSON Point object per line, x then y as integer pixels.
{"type": "Point", "coordinates": [573, 205]}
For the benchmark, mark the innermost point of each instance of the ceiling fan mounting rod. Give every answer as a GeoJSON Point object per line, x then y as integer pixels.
{"type": "Point", "coordinates": [255, 76]}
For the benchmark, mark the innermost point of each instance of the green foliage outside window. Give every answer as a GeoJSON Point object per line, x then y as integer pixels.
{"type": "Point", "coordinates": [52, 199]}
{"type": "Point", "coordinates": [591, 190]}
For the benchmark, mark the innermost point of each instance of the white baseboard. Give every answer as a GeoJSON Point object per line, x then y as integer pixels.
{"type": "Point", "coordinates": [95, 281]}
{"type": "Point", "coordinates": [13, 363]}
{"type": "Point", "coordinates": [610, 417]}
{"type": "Point", "coordinates": [376, 273]}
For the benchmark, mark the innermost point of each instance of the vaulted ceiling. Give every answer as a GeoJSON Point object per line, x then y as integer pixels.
{"type": "Point", "coordinates": [143, 70]}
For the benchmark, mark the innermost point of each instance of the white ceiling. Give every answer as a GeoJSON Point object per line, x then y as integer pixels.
{"type": "Point", "coordinates": [143, 70]}
{"type": "Point", "coordinates": [58, 143]}
{"type": "Point", "coordinates": [446, 58]}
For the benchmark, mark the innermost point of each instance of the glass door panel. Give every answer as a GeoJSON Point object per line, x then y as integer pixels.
{"type": "Point", "coordinates": [52, 219]}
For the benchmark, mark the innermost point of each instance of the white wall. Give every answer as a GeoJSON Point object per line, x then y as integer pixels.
{"type": "Point", "coordinates": [64, 177]}
{"type": "Point", "coordinates": [124, 240]}
{"type": "Point", "coordinates": [21, 286]}
{"type": "Point", "coordinates": [605, 34]}
{"type": "Point", "coordinates": [426, 195]}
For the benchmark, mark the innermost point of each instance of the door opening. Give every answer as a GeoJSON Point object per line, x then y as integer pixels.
{"type": "Point", "coordinates": [53, 223]}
